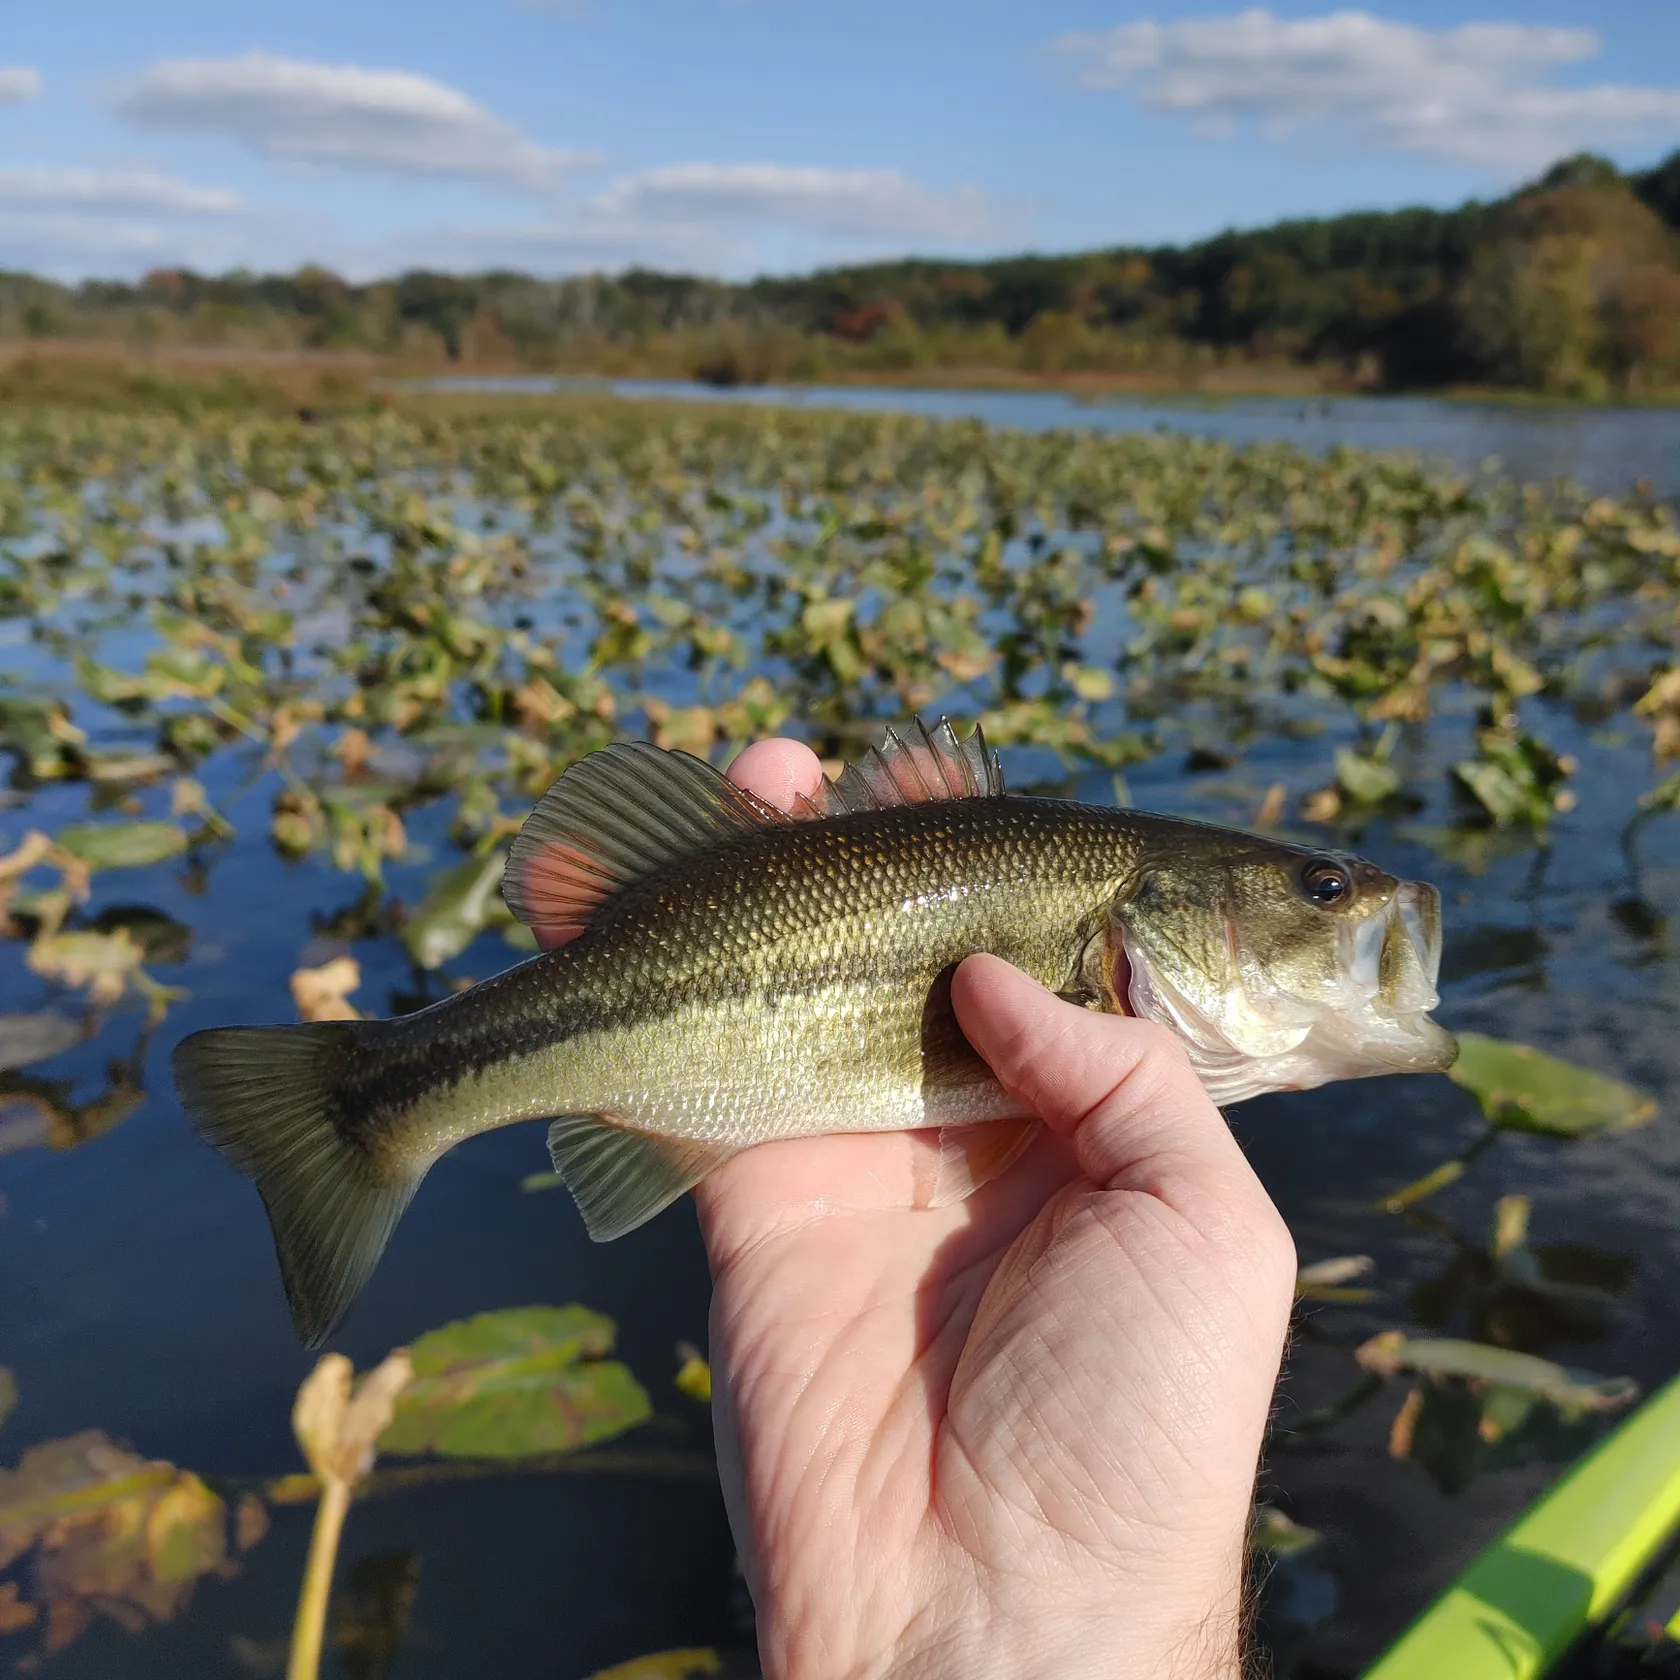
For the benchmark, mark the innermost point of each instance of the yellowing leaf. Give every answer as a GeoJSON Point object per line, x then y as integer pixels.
{"type": "Point", "coordinates": [337, 1423]}
{"type": "Point", "coordinates": [694, 1375]}
{"type": "Point", "coordinates": [664, 1665]}
{"type": "Point", "coordinates": [102, 963]}
{"type": "Point", "coordinates": [323, 994]}
{"type": "Point", "coordinates": [1477, 1363]}
{"type": "Point", "coordinates": [110, 1534]}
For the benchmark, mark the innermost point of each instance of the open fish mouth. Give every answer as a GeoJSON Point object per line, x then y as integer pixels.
{"type": "Point", "coordinates": [1246, 1035]}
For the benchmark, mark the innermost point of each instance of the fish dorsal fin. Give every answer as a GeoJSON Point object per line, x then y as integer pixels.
{"type": "Point", "coordinates": [614, 818]}
{"type": "Point", "coordinates": [929, 765]}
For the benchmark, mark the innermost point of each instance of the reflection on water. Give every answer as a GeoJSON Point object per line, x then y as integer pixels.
{"type": "Point", "coordinates": [1607, 449]}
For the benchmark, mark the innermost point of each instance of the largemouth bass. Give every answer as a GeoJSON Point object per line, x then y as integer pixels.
{"type": "Point", "coordinates": [725, 973]}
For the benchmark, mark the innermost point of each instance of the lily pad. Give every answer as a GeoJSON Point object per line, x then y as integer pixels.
{"type": "Point", "coordinates": [33, 1038]}
{"type": "Point", "coordinates": [1456, 1431]}
{"type": "Point", "coordinates": [1574, 1393]}
{"type": "Point", "coordinates": [123, 845]}
{"type": "Point", "coordinates": [515, 1383]}
{"type": "Point", "coordinates": [460, 904]}
{"type": "Point", "coordinates": [102, 963]}
{"type": "Point", "coordinates": [1369, 781]}
{"type": "Point", "coordinates": [109, 1533]}
{"type": "Point", "coordinates": [1524, 1090]}
{"type": "Point", "coordinates": [158, 934]}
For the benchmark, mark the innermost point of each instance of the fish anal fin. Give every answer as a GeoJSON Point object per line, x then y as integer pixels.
{"type": "Point", "coordinates": [917, 767]}
{"type": "Point", "coordinates": [619, 1176]}
{"type": "Point", "coordinates": [614, 818]}
{"type": "Point", "coordinates": [975, 1154]}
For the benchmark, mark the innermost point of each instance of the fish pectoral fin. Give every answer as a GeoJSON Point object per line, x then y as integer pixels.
{"type": "Point", "coordinates": [621, 1177]}
{"type": "Point", "coordinates": [972, 1155]}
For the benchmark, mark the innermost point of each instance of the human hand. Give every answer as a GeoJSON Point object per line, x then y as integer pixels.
{"type": "Point", "coordinates": [1017, 1436]}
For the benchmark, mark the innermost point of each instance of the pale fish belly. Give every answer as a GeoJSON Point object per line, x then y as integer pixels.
{"type": "Point", "coordinates": [738, 1071]}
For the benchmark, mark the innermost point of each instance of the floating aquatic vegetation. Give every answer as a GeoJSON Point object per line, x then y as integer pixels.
{"type": "Point", "coordinates": [1523, 1089]}
{"type": "Point", "coordinates": [690, 1663]}
{"type": "Point", "coordinates": [36, 1037]}
{"type": "Point", "coordinates": [1476, 1408]}
{"type": "Point", "coordinates": [515, 1383]}
{"type": "Point", "coordinates": [323, 994]}
{"type": "Point", "coordinates": [108, 1533]}
{"type": "Point", "coordinates": [374, 641]}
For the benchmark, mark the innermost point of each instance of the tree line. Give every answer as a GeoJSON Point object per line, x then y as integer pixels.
{"type": "Point", "coordinates": [1568, 286]}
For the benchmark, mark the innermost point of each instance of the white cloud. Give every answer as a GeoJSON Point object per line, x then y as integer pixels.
{"type": "Point", "coordinates": [19, 84]}
{"type": "Point", "coordinates": [1476, 95]}
{"type": "Point", "coordinates": [866, 204]}
{"type": "Point", "coordinates": [343, 116]}
{"type": "Point", "coordinates": [110, 191]}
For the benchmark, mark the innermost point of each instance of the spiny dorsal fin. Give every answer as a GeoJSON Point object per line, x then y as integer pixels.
{"type": "Point", "coordinates": [928, 766]}
{"type": "Point", "coordinates": [615, 817]}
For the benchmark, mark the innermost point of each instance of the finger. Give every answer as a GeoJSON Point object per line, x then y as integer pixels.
{"type": "Point", "coordinates": [778, 771]}
{"type": "Point", "coordinates": [1121, 1091]}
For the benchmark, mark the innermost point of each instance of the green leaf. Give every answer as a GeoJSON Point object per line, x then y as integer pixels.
{"type": "Point", "coordinates": [123, 845]}
{"type": "Point", "coordinates": [8, 1393]}
{"type": "Point", "coordinates": [461, 903]}
{"type": "Point", "coordinates": [1525, 1090]}
{"type": "Point", "coordinates": [1273, 1534]}
{"type": "Point", "coordinates": [33, 1038]}
{"type": "Point", "coordinates": [514, 1383]}
{"type": "Point", "coordinates": [1365, 779]}
{"type": "Point", "coordinates": [1574, 1393]}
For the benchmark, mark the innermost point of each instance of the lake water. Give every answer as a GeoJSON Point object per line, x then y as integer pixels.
{"type": "Point", "coordinates": [1607, 449]}
{"type": "Point", "coordinates": [142, 1298]}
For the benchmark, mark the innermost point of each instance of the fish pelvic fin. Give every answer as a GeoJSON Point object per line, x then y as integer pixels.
{"type": "Point", "coordinates": [973, 1155]}
{"type": "Point", "coordinates": [267, 1098]}
{"type": "Point", "coordinates": [620, 1177]}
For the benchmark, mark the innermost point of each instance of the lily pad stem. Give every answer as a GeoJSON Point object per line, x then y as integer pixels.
{"type": "Point", "coordinates": [310, 1626]}
{"type": "Point", "coordinates": [1438, 1178]}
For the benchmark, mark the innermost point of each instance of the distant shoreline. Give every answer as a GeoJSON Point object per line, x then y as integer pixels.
{"type": "Point", "coordinates": [93, 363]}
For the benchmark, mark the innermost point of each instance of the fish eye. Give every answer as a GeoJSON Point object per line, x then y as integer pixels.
{"type": "Point", "coordinates": [1327, 884]}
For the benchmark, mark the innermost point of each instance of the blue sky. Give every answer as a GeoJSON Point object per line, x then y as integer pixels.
{"type": "Point", "coordinates": [740, 136]}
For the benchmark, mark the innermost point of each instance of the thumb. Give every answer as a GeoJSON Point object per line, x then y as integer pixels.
{"type": "Point", "coordinates": [1120, 1091]}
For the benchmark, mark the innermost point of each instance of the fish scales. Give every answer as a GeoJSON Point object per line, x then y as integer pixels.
{"type": "Point", "coordinates": [726, 974]}
{"type": "Point", "coordinates": [771, 988]}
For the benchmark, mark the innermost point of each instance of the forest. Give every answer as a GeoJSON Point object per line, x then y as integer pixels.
{"type": "Point", "coordinates": [1567, 287]}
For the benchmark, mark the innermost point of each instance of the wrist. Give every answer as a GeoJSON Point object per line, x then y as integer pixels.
{"type": "Point", "coordinates": [1107, 1647]}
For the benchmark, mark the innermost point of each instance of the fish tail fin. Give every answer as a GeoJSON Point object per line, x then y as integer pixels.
{"type": "Point", "coordinates": [269, 1099]}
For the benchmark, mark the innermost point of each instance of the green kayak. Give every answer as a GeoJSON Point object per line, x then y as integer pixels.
{"type": "Point", "coordinates": [1564, 1569]}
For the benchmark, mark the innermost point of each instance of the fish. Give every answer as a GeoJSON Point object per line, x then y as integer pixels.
{"type": "Point", "coordinates": [723, 973]}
